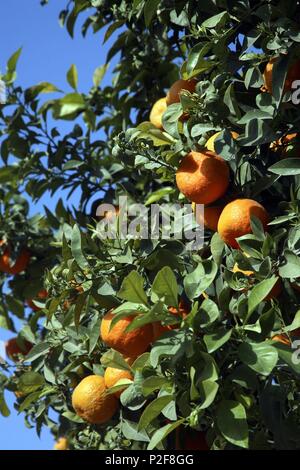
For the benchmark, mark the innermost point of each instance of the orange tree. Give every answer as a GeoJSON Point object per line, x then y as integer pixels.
{"type": "Point", "coordinates": [200, 344]}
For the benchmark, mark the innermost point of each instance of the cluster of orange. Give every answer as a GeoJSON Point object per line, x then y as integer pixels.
{"type": "Point", "coordinates": [203, 177]}
{"type": "Point", "coordinates": [90, 398]}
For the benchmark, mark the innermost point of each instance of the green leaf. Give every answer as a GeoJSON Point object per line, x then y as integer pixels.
{"type": "Point", "coordinates": [208, 313]}
{"type": "Point", "coordinates": [13, 60]}
{"type": "Point", "coordinates": [159, 194]}
{"type": "Point", "coordinates": [153, 410]}
{"type": "Point", "coordinates": [129, 429]}
{"type": "Point", "coordinates": [111, 29]}
{"type": "Point", "coordinates": [217, 247]}
{"type": "Point", "coordinates": [150, 10]}
{"type": "Point", "coordinates": [291, 268]}
{"type": "Point", "coordinates": [286, 167]}
{"type": "Point", "coordinates": [71, 164]}
{"type": "Point", "coordinates": [289, 356]}
{"type": "Point", "coordinates": [162, 433]}
{"type": "Point", "coordinates": [114, 359]}
{"type": "Point", "coordinates": [148, 131]}
{"type": "Point", "coordinates": [80, 303]}
{"type": "Point", "coordinates": [40, 349]}
{"type": "Point", "coordinates": [260, 357]}
{"type": "Point", "coordinates": [30, 381]}
{"type": "Point", "coordinates": [68, 105]}
{"type": "Point", "coordinates": [208, 390]}
{"type": "Point", "coordinates": [165, 287]}
{"type": "Point", "coordinates": [132, 288]}
{"type": "Point", "coordinates": [4, 410]}
{"type": "Point", "coordinates": [232, 422]}
{"type": "Point", "coordinates": [76, 247]}
{"type": "Point", "coordinates": [153, 383]}
{"type": "Point", "coordinates": [99, 74]}
{"type": "Point", "coordinates": [72, 77]}
{"type": "Point", "coordinates": [216, 339]}
{"type": "Point", "coordinates": [259, 293]}
{"type": "Point", "coordinates": [216, 20]}
{"type": "Point", "coordinates": [196, 282]}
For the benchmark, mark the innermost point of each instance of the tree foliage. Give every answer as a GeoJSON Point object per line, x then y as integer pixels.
{"type": "Point", "coordinates": [220, 372]}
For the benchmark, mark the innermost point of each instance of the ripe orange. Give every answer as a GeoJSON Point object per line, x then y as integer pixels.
{"type": "Point", "coordinates": [292, 75]}
{"type": "Point", "coordinates": [157, 112]}
{"type": "Point", "coordinates": [130, 344]}
{"type": "Point", "coordinates": [282, 338]}
{"type": "Point", "coordinates": [202, 177]}
{"type": "Point", "coordinates": [91, 402]}
{"type": "Point", "coordinates": [61, 444]}
{"type": "Point", "coordinates": [236, 269]}
{"type": "Point", "coordinates": [173, 95]}
{"type": "Point", "coordinates": [13, 349]}
{"type": "Point", "coordinates": [182, 311]}
{"type": "Point", "coordinates": [288, 146]}
{"type": "Point", "coordinates": [42, 294]}
{"type": "Point", "coordinates": [210, 144]}
{"type": "Point", "coordinates": [210, 218]}
{"type": "Point", "coordinates": [19, 265]}
{"type": "Point", "coordinates": [234, 221]}
{"type": "Point", "coordinates": [112, 375]}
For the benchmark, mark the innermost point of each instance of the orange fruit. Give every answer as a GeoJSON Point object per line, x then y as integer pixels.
{"type": "Point", "coordinates": [173, 95]}
{"type": "Point", "coordinates": [131, 343]}
{"type": "Point", "coordinates": [91, 401]}
{"type": "Point", "coordinates": [13, 349]}
{"type": "Point", "coordinates": [20, 263]}
{"type": "Point", "coordinates": [210, 144]}
{"type": "Point", "coordinates": [42, 294]}
{"type": "Point", "coordinates": [157, 112]}
{"type": "Point", "coordinates": [202, 177]}
{"type": "Point", "coordinates": [236, 269]}
{"type": "Point", "coordinates": [234, 221]}
{"type": "Point", "coordinates": [61, 444]}
{"type": "Point", "coordinates": [112, 375]}
{"type": "Point", "coordinates": [210, 217]}
{"type": "Point", "coordinates": [182, 311]}
{"type": "Point", "coordinates": [282, 338]}
{"type": "Point", "coordinates": [288, 145]}
{"type": "Point", "coordinates": [292, 75]}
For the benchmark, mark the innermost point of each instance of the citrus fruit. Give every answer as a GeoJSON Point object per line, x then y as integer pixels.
{"type": "Point", "coordinates": [61, 444]}
{"type": "Point", "coordinates": [19, 265]}
{"type": "Point", "coordinates": [182, 311]}
{"type": "Point", "coordinates": [292, 75]}
{"type": "Point", "coordinates": [236, 269]}
{"type": "Point", "coordinates": [91, 401]}
{"type": "Point", "coordinates": [210, 216]}
{"type": "Point", "coordinates": [210, 144]}
{"type": "Point", "coordinates": [282, 338]}
{"type": "Point", "coordinates": [131, 343]}
{"type": "Point", "coordinates": [14, 348]}
{"type": "Point", "coordinates": [173, 95]}
{"type": "Point", "coordinates": [41, 295]}
{"type": "Point", "coordinates": [157, 112]}
{"type": "Point", "coordinates": [202, 177]}
{"type": "Point", "coordinates": [112, 375]}
{"type": "Point", "coordinates": [234, 221]}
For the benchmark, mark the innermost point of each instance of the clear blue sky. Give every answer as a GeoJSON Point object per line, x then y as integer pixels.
{"type": "Point", "coordinates": [47, 54]}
